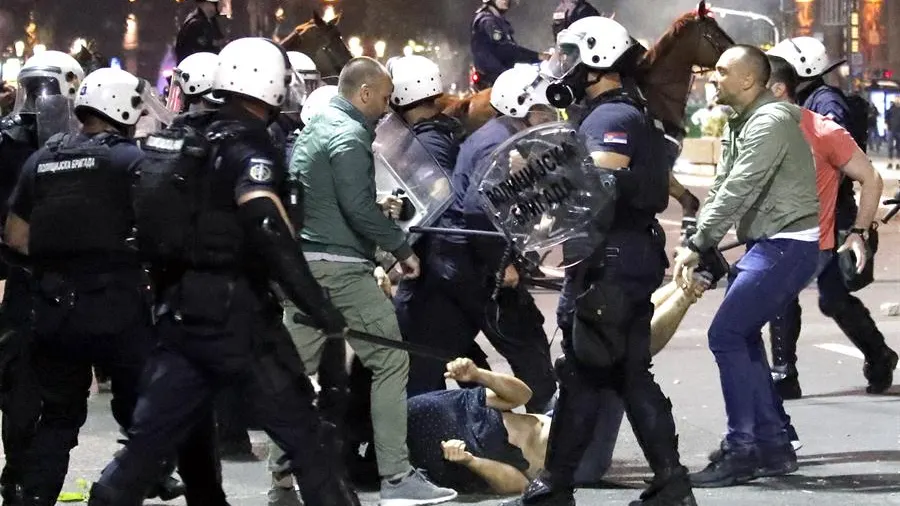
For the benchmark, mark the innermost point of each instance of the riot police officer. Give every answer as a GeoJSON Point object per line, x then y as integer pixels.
{"type": "Point", "coordinates": [219, 322]}
{"type": "Point", "coordinates": [460, 272]}
{"type": "Point", "coordinates": [71, 216]}
{"type": "Point", "coordinates": [192, 80]}
{"type": "Point", "coordinates": [609, 343]}
{"type": "Point", "coordinates": [811, 62]}
{"type": "Point", "coordinates": [200, 31]}
{"type": "Point", "coordinates": [493, 47]}
{"type": "Point", "coordinates": [47, 85]}
{"type": "Point", "coordinates": [304, 80]}
{"type": "Point", "coordinates": [570, 11]}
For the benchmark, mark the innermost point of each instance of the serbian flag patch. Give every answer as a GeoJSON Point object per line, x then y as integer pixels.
{"type": "Point", "coordinates": [615, 138]}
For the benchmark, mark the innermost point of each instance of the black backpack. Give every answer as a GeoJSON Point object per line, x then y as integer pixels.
{"type": "Point", "coordinates": [858, 120]}
{"type": "Point", "coordinates": [171, 185]}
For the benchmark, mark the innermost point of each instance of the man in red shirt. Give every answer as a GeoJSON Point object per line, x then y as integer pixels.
{"type": "Point", "coordinates": [836, 155]}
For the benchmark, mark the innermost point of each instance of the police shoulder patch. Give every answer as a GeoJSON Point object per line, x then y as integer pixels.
{"type": "Point", "coordinates": [498, 35]}
{"type": "Point", "coordinates": [260, 170]}
{"type": "Point", "coordinates": [615, 138]}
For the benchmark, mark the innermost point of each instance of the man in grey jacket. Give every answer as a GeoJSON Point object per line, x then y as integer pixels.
{"type": "Point", "coordinates": [766, 186]}
{"type": "Point", "coordinates": [342, 225]}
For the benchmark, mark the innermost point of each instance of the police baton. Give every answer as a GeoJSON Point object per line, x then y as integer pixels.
{"type": "Point", "coordinates": [893, 212]}
{"type": "Point", "coordinates": [415, 349]}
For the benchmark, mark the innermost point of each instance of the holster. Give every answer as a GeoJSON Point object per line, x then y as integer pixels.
{"type": "Point", "coordinates": [597, 338]}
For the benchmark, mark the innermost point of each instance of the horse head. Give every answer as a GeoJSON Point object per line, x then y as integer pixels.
{"type": "Point", "coordinates": [320, 40]}
{"type": "Point", "coordinates": [694, 41]}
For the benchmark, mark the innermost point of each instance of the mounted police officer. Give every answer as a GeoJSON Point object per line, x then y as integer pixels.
{"type": "Point", "coordinates": [493, 47]}
{"type": "Point", "coordinates": [71, 215]}
{"type": "Point", "coordinates": [200, 31]}
{"type": "Point", "coordinates": [811, 62]}
{"type": "Point", "coordinates": [460, 272]}
{"type": "Point", "coordinates": [214, 252]}
{"type": "Point", "coordinates": [609, 343]}
{"type": "Point", "coordinates": [47, 86]}
{"type": "Point", "coordinates": [570, 11]}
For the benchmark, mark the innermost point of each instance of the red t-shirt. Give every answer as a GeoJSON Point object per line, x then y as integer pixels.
{"type": "Point", "coordinates": [832, 148]}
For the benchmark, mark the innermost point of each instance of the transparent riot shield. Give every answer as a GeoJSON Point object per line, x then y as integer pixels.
{"type": "Point", "coordinates": [54, 114]}
{"type": "Point", "coordinates": [403, 167]}
{"type": "Point", "coordinates": [543, 191]}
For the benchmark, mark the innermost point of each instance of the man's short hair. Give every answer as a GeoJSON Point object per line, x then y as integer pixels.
{"type": "Point", "coordinates": [784, 73]}
{"type": "Point", "coordinates": [359, 71]}
{"type": "Point", "coordinates": [757, 63]}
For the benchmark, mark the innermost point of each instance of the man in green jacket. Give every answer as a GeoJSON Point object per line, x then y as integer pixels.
{"type": "Point", "coordinates": [342, 226]}
{"type": "Point", "coordinates": [766, 187]}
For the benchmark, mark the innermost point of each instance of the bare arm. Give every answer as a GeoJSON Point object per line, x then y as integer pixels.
{"type": "Point", "coordinates": [503, 391]}
{"type": "Point", "coordinates": [860, 169]}
{"type": "Point", "coordinates": [502, 478]}
{"type": "Point", "coordinates": [16, 233]}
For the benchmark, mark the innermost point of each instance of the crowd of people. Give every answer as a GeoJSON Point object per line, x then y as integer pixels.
{"type": "Point", "coordinates": [210, 267]}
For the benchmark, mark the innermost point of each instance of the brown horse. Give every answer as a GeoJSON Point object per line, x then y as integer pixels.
{"type": "Point", "coordinates": [665, 73]}
{"type": "Point", "coordinates": [320, 40]}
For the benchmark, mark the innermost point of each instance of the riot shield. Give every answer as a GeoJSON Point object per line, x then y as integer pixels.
{"type": "Point", "coordinates": [156, 115]}
{"type": "Point", "coordinates": [54, 114]}
{"type": "Point", "coordinates": [542, 190]}
{"type": "Point", "coordinates": [403, 167]}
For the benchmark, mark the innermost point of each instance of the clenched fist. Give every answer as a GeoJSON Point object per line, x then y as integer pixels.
{"type": "Point", "coordinates": [462, 370]}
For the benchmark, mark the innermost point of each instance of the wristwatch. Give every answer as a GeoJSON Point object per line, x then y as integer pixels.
{"type": "Point", "coordinates": [864, 233]}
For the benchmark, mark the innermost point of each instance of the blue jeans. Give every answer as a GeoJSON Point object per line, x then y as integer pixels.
{"type": "Point", "coordinates": [770, 274]}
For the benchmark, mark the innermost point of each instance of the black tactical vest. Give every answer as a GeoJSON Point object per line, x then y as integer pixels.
{"type": "Point", "coordinates": [82, 202]}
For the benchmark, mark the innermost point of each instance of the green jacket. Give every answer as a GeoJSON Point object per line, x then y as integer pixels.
{"type": "Point", "coordinates": [766, 179]}
{"type": "Point", "coordinates": [332, 159]}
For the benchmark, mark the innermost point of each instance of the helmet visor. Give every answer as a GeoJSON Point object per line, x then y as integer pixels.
{"type": "Point", "coordinates": [564, 60]}
{"type": "Point", "coordinates": [175, 101]}
{"type": "Point", "coordinates": [33, 84]}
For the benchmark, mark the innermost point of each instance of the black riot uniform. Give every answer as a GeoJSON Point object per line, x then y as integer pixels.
{"type": "Point", "coordinates": [570, 11]}
{"type": "Point", "coordinates": [199, 33]}
{"type": "Point", "coordinates": [90, 306]}
{"type": "Point", "coordinates": [20, 402]}
{"type": "Point", "coordinates": [494, 49]}
{"type": "Point", "coordinates": [609, 344]}
{"type": "Point", "coordinates": [220, 324]}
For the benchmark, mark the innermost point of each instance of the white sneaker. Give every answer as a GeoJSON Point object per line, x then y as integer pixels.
{"type": "Point", "coordinates": [414, 489]}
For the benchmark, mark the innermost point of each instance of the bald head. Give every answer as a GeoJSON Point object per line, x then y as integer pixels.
{"type": "Point", "coordinates": [742, 73]}
{"type": "Point", "coordinates": [367, 85]}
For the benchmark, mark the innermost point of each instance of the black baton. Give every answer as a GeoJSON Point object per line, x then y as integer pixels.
{"type": "Point", "coordinates": [415, 349]}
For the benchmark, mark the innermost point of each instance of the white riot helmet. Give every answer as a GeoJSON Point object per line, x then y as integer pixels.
{"type": "Point", "coordinates": [305, 78]}
{"type": "Point", "coordinates": [47, 74]}
{"type": "Point", "coordinates": [595, 41]}
{"type": "Point", "coordinates": [191, 78]}
{"type": "Point", "coordinates": [115, 95]}
{"type": "Point", "coordinates": [518, 89]}
{"type": "Point", "coordinates": [317, 101]}
{"type": "Point", "coordinates": [415, 78]}
{"type": "Point", "coordinates": [254, 67]}
{"type": "Point", "coordinates": [806, 54]}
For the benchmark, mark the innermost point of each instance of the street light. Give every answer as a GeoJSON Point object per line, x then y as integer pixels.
{"type": "Point", "coordinates": [329, 14]}
{"type": "Point", "coordinates": [751, 15]}
{"type": "Point", "coordinates": [77, 44]}
{"type": "Point", "coordinates": [354, 44]}
{"type": "Point", "coordinates": [20, 48]}
{"type": "Point", "coordinates": [380, 47]}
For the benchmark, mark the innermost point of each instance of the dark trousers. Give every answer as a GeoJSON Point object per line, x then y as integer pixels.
{"type": "Point", "coordinates": [447, 315]}
{"type": "Point", "coordinates": [770, 274]}
{"type": "Point", "coordinates": [635, 266]}
{"type": "Point", "coordinates": [96, 320]}
{"type": "Point", "coordinates": [836, 302]}
{"type": "Point", "coordinates": [19, 393]}
{"type": "Point", "coordinates": [211, 347]}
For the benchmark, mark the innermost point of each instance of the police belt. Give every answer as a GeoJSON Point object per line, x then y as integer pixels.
{"type": "Point", "coordinates": [415, 349]}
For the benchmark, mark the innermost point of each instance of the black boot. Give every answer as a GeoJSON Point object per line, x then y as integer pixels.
{"type": "Point", "coordinates": [857, 324]}
{"type": "Point", "coordinates": [671, 490]}
{"type": "Point", "coordinates": [879, 371]}
{"type": "Point", "coordinates": [732, 467]}
{"type": "Point", "coordinates": [785, 331]}
{"type": "Point", "coordinates": [540, 493]}
{"type": "Point", "coordinates": [104, 496]}
{"type": "Point", "coordinates": [166, 489]}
